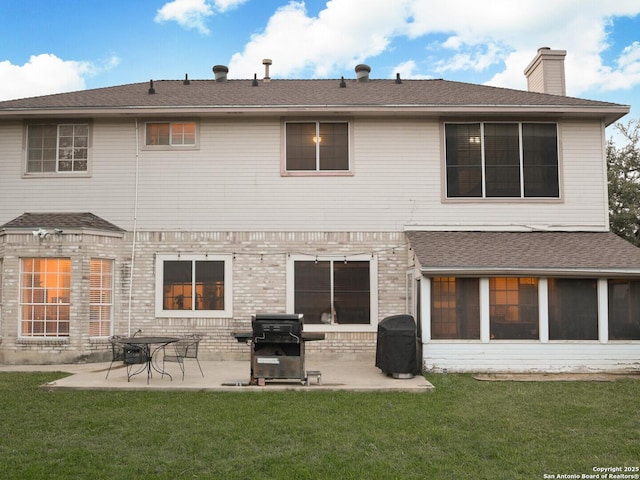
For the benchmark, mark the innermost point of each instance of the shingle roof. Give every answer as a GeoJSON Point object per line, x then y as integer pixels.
{"type": "Point", "coordinates": [279, 93]}
{"type": "Point", "coordinates": [62, 221]}
{"type": "Point", "coordinates": [495, 252]}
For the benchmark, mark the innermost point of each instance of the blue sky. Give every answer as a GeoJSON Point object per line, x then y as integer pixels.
{"type": "Point", "coordinates": [64, 45]}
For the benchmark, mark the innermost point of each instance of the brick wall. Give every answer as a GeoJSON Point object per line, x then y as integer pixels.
{"type": "Point", "coordinates": [259, 285]}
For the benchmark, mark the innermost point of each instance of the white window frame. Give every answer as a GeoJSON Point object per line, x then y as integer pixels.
{"type": "Point", "coordinates": [102, 302]}
{"type": "Point", "coordinates": [170, 146]}
{"type": "Point", "coordinates": [373, 285]}
{"type": "Point", "coordinates": [43, 305]}
{"type": "Point", "coordinates": [228, 286]}
{"type": "Point", "coordinates": [58, 173]}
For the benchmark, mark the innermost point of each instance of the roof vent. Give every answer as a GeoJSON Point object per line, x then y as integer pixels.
{"type": "Point", "coordinates": [266, 62]}
{"type": "Point", "coordinates": [255, 83]}
{"type": "Point", "coordinates": [151, 89]}
{"type": "Point", "coordinates": [343, 84]}
{"type": "Point", "coordinates": [398, 80]}
{"type": "Point", "coordinates": [220, 73]}
{"type": "Point", "coordinates": [186, 80]}
{"type": "Point", "coordinates": [362, 72]}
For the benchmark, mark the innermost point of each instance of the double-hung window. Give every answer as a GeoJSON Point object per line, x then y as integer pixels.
{"type": "Point", "coordinates": [315, 147]}
{"type": "Point", "coordinates": [45, 289]}
{"type": "Point", "coordinates": [170, 134]}
{"type": "Point", "coordinates": [57, 148]}
{"type": "Point", "coordinates": [193, 285]}
{"type": "Point", "coordinates": [502, 160]}
{"type": "Point", "coordinates": [339, 292]}
{"type": "Point", "coordinates": [100, 297]}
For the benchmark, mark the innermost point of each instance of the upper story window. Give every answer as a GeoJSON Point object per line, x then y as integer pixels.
{"type": "Point", "coordinates": [170, 134]}
{"type": "Point", "coordinates": [493, 160]}
{"type": "Point", "coordinates": [315, 147]}
{"type": "Point", "coordinates": [57, 148]}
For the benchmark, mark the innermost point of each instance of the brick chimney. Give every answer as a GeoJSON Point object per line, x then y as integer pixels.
{"type": "Point", "coordinates": [545, 74]}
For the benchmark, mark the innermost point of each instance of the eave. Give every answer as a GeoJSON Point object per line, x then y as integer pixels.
{"type": "Point", "coordinates": [609, 114]}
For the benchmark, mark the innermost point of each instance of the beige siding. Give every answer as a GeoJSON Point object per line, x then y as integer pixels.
{"type": "Point", "coordinates": [583, 185]}
{"type": "Point", "coordinates": [233, 182]}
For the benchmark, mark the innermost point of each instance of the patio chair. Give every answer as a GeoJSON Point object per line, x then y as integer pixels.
{"type": "Point", "coordinates": [186, 347]}
{"type": "Point", "coordinates": [117, 352]}
{"type": "Point", "coordinates": [137, 355]}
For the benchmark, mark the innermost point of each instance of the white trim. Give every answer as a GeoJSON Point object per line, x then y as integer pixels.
{"type": "Point", "coordinates": [543, 309]}
{"type": "Point", "coordinates": [228, 287]}
{"type": "Point", "coordinates": [485, 311]}
{"type": "Point", "coordinates": [373, 286]}
{"type": "Point", "coordinates": [603, 310]}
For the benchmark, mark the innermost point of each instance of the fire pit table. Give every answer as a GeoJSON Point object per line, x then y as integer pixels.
{"type": "Point", "coordinates": [277, 348]}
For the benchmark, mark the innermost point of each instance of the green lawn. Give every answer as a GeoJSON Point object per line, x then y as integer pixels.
{"type": "Point", "coordinates": [463, 429]}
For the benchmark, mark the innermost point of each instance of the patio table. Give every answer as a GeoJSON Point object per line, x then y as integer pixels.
{"type": "Point", "coordinates": [147, 342]}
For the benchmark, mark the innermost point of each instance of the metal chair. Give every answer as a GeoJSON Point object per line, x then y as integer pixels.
{"type": "Point", "coordinates": [117, 352]}
{"type": "Point", "coordinates": [137, 355]}
{"type": "Point", "coordinates": [186, 347]}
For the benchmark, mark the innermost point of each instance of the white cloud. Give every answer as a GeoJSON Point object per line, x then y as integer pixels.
{"type": "Point", "coordinates": [189, 14]}
{"type": "Point", "coordinates": [224, 5]}
{"type": "Point", "coordinates": [470, 38]}
{"type": "Point", "coordinates": [46, 74]}
{"type": "Point", "coordinates": [408, 70]}
{"type": "Point", "coordinates": [343, 34]}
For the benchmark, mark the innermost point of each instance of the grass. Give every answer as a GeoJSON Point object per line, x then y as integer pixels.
{"type": "Point", "coordinates": [465, 429]}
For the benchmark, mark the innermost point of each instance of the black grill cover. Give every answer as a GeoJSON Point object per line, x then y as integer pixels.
{"type": "Point", "coordinates": [397, 345]}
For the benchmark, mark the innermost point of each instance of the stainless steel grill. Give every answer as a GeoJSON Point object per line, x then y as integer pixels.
{"type": "Point", "coordinates": [278, 347]}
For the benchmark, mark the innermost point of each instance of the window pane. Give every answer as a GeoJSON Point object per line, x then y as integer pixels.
{"type": "Point", "coordinates": [183, 133]}
{"type": "Point", "coordinates": [312, 285]}
{"type": "Point", "coordinates": [351, 292]}
{"type": "Point", "coordinates": [464, 160]}
{"type": "Point", "coordinates": [573, 309]}
{"type": "Point", "coordinates": [455, 308]}
{"type": "Point", "coordinates": [513, 308]}
{"type": "Point", "coordinates": [334, 146]}
{"type": "Point", "coordinates": [540, 159]}
{"type": "Point", "coordinates": [100, 297]}
{"type": "Point", "coordinates": [157, 134]}
{"type": "Point", "coordinates": [45, 288]}
{"type": "Point", "coordinates": [301, 146]}
{"type": "Point", "coordinates": [209, 285]}
{"type": "Point", "coordinates": [177, 285]}
{"type": "Point", "coordinates": [624, 310]}
{"type": "Point", "coordinates": [502, 159]}
{"type": "Point", "coordinates": [42, 145]}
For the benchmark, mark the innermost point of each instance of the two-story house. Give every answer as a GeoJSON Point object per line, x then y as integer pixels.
{"type": "Point", "coordinates": [178, 206]}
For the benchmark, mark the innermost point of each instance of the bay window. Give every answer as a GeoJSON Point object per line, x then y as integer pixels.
{"type": "Point", "coordinates": [45, 289]}
{"type": "Point", "coordinates": [100, 297]}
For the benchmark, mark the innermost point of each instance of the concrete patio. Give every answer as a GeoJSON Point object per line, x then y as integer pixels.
{"type": "Point", "coordinates": [229, 376]}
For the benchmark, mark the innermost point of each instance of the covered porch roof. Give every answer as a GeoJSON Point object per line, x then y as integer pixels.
{"type": "Point", "coordinates": [524, 253]}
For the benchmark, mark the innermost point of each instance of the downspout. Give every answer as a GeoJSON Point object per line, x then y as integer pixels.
{"type": "Point", "coordinates": [135, 226]}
